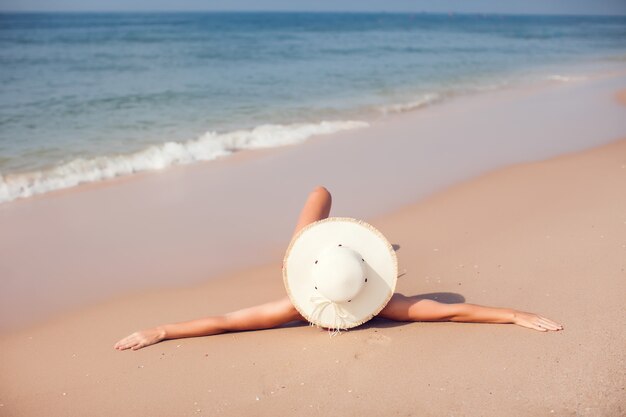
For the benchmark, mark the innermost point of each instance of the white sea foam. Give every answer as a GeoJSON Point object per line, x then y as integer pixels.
{"type": "Point", "coordinates": [423, 101]}
{"type": "Point", "coordinates": [209, 146]}
{"type": "Point", "coordinates": [429, 99]}
{"type": "Point", "coordinates": [566, 78]}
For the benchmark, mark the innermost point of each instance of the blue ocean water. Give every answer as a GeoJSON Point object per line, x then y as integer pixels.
{"type": "Point", "coordinates": [88, 96]}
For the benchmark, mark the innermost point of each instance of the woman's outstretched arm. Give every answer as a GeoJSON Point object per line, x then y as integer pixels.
{"type": "Point", "coordinates": [263, 316]}
{"type": "Point", "coordinates": [402, 308]}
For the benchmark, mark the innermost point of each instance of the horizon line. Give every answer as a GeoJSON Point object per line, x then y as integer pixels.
{"type": "Point", "coordinates": [451, 12]}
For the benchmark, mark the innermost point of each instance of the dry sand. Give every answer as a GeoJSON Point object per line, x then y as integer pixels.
{"type": "Point", "coordinates": [546, 237]}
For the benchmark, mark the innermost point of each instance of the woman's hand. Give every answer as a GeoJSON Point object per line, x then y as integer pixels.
{"type": "Point", "coordinates": [141, 339]}
{"type": "Point", "coordinates": [533, 321]}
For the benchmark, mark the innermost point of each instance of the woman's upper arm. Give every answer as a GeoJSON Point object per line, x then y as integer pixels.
{"type": "Point", "coordinates": [404, 308]}
{"type": "Point", "coordinates": [430, 310]}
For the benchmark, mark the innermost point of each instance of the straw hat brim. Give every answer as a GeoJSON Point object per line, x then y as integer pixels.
{"type": "Point", "coordinates": [381, 269]}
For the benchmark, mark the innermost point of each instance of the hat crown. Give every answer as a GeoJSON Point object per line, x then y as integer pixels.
{"type": "Point", "coordinates": [339, 273]}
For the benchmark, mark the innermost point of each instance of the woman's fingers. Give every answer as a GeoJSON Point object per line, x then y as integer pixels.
{"type": "Point", "coordinates": [137, 340]}
{"type": "Point", "coordinates": [127, 342]}
{"type": "Point", "coordinates": [127, 345]}
{"type": "Point", "coordinates": [543, 324]}
{"type": "Point", "coordinates": [531, 324]}
{"type": "Point", "coordinates": [549, 325]}
{"type": "Point", "coordinates": [552, 325]}
{"type": "Point", "coordinates": [536, 322]}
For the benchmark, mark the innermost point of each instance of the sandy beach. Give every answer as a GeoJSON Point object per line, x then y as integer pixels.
{"type": "Point", "coordinates": [85, 267]}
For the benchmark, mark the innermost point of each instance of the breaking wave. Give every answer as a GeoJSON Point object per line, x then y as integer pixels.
{"type": "Point", "coordinates": [566, 78]}
{"type": "Point", "coordinates": [423, 101]}
{"type": "Point", "coordinates": [209, 146]}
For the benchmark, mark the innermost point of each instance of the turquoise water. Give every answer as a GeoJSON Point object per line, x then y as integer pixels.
{"type": "Point", "coordinates": [84, 97]}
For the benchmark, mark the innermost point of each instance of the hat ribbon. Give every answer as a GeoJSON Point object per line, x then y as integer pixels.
{"type": "Point", "coordinates": [321, 304]}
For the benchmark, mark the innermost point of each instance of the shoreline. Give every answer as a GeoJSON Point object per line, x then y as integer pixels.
{"type": "Point", "coordinates": [190, 223]}
{"type": "Point", "coordinates": [547, 237]}
{"type": "Point", "coordinates": [362, 117]}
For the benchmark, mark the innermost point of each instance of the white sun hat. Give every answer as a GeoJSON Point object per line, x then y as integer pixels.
{"type": "Point", "coordinates": [339, 272]}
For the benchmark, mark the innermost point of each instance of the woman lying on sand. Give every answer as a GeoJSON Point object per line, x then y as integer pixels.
{"type": "Point", "coordinates": [398, 307]}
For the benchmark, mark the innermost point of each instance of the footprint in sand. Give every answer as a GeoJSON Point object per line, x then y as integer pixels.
{"type": "Point", "coordinates": [378, 339]}
{"type": "Point", "coordinates": [374, 340]}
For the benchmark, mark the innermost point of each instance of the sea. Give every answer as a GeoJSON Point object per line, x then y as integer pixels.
{"type": "Point", "coordinates": [85, 97]}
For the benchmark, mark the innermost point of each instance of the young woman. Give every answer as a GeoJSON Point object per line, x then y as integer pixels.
{"type": "Point", "coordinates": [273, 314]}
